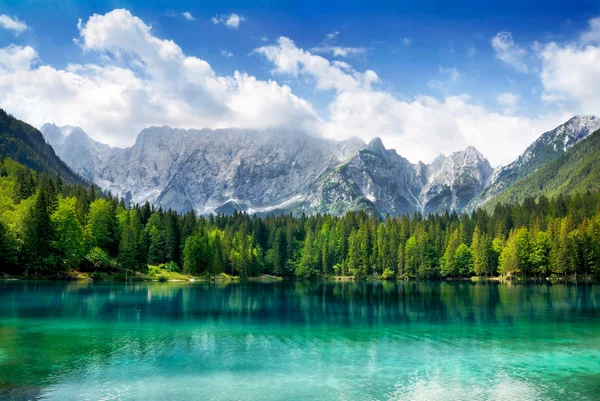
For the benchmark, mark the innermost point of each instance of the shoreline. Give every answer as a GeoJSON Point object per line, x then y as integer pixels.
{"type": "Point", "coordinates": [224, 278]}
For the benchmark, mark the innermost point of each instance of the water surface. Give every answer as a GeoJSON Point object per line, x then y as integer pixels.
{"type": "Point", "coordinates": [299, 341]}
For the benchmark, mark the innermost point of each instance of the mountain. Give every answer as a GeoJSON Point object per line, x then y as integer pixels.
{"type": "Point", "coordinates": [453, 181]}
{"type": "Point", "coordinates": [577, 170]}
{"type": "Point", "coordinates": [270, 171]}
{"type": "Point", "coordinates": [206, 170]}
{"type": "Point", "coordinates": [284, 170]}
{"type": "Point", "coordinates": [546, 148]}
{"type": "Point", "coordinates": [375, 179]}
{"type": "Point", "coordinates": [380, 181]}
{"type": "Point", "coordinates": [25, 144]}
{"type": "Point", "coordinates": [84, 155]}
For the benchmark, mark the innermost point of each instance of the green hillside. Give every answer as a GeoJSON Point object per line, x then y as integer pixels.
{"type": "Point", "coordinates": [578, 170]}
{"type": "Point", "coordinates": [25, 144]}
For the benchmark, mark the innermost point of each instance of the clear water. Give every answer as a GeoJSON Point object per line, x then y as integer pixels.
{"type": "Point", "coordinates": [299, 341]}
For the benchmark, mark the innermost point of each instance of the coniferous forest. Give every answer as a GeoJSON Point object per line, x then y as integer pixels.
{"type": "Point", "coordinates": [49, 227]}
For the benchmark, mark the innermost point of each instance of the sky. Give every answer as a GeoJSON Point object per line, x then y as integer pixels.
{"type": "Point", "coordinates": [427, 77]}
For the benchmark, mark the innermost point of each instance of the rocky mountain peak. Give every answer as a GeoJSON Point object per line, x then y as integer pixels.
{"type": "Point", "coordinates": [376, 146]}
{"type": "Point", "coordinates": [579, 126]}
{"type": "Point", "coordinates": [52, 133]}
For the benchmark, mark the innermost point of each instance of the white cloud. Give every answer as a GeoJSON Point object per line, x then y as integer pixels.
{"type": "Point", "coordinates": [509, 52]}
{"type": "Point", "coordinates": [338, 51]}
{"type": "Point", "coordinates": [232, 20]}
{"type": "Point", "coordinates": [509, 102]}
{"type": "Point", "coordinates": [592, 34]}
{"type": "Point", "coordinates": [226, 54]}
{"type": "Point", "coordinates": [407, 41]}
{"type": "Point", "coordinates": [15, 58]}
{"type": "Point", "coordinates": [289, 59]}
{"type": "Point", "coordinates": [571, 72]}
{"type": "Point", "coordinates": [14, 25]}
{"type": "Point", "coordinates": [418, 129]}
{"type": "Point", "coordinates": [188, 16]}
{"type": "Point", "coordinates": [141, 80]}
{"type": "Point", "coordinates": [327, 47]}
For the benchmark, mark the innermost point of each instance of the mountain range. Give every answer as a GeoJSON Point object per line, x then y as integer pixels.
{"type": "Point", "coordinates": [283, 170]}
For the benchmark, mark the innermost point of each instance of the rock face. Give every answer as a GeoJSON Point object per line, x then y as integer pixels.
{"type": "Point", "coordinates": [546, 148]}
{"type": "Point", "coordinates": [380, 181]}
{"type": "Point", "coordinates": [204, 170]}
{"type": "Point", "coordinates": [282, 170]}
{"type": "Point", "coordinates": [375, 179]}
{"type": "Point", "coordinates": [80, 152]}
{"type": "Point", "coordinates": [453, 181]}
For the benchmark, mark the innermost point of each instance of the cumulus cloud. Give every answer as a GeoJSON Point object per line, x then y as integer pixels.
{"type": "Point", "coordinates": [407, 41]}
{"type": "Point", "coordinates": [419, 129]}
{"type": "Point", "coordinates": [188, 16]}
{"type": "Point", "coordinates": [14, 58]}
{"type": "Point", "coordinates": [571, 72]}
{"type": "Point", "coordinates": [231, 20]}
{"type": "Point", "coordinates": [226, 54]}
{"type": "Point", "coordinates": [509, 102]}
{"type": "Point", "coordinates": [14, 25]}
{"type": "Point", "coordinates": [509, 52]}
{"type": "Point", "coordinates": [291, 60]}
{"type": "Point", "coordinates": [140, 80]}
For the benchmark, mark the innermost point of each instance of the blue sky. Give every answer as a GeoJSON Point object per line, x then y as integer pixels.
{"type": "Point", "coordinates": [427, 76]}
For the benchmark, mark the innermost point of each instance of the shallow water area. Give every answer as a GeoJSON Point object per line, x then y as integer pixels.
{"type": "Point", "coordinates": [299, 340]}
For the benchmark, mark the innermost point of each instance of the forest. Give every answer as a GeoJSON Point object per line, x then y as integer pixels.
{"type": "Point", "coordinates": [49, 227]}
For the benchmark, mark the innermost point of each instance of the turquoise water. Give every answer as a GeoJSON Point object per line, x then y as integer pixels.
{"type": "Point", "coordinates": [299, 341]}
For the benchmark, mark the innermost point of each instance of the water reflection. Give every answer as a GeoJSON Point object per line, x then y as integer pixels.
{"type": "Point", "coordinates": [301, 303]}
{"type": "Point", "coordinates": [296, 340]}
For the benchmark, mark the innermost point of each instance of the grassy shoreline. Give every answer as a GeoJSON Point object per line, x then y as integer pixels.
{"type": "Point", "coordinates": [157, 274]}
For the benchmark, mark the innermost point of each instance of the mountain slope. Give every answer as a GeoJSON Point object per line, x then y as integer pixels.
{"type": "Point", "coordinates": [375, 179]}
{"type": "Point", "coordinates": [453, 181]}
{"type": "Point", "coordinates": [380, 181]}
{"type": "Point", "coordinates": [205, 170]}
{"type": "Point", "coordinates": [577, 170]}
{"type": "Point", "coordinates": [25, 144]}
{"type": "Point", "coordinates": [80, 152]}
{"type": "Point", "coordinates": [546, 148]}
{"type": "Point", "coordinates": [271, 171]}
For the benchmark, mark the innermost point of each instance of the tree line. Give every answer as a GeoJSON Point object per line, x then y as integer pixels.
{"type": "Point", "coordinates": [48, 227]}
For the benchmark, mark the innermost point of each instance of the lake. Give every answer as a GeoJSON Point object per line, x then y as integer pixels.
{"type": "Point", "coordinates": [299, 341]}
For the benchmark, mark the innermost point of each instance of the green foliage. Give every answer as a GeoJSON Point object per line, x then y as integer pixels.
{"type": "Point", "coordinates": [99, 260]}
{"type": "Point", "coordinates": [47, 228]}
{"type": "Point", "coordinates": [25, 144]}
{"type": "Point", "coordinates": [463, 260]}
{"type": "Point", "coordinates": [170, 267]}
{"type": "Point", "coordinates": [69, 244]}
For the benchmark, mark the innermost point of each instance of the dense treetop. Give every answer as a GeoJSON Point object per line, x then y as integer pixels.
{"type": "Point", "coordinates": [25, 144]}
{"type": "Point", "coordinates": [48, 227]}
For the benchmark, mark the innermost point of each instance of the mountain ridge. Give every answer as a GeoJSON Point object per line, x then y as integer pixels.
{"type": "Point", "coordinates": [545, 148]}
{"type": "Point", "coordinates": [283, 171]}
{"type": "Point", "coordinates": [27, 145]}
